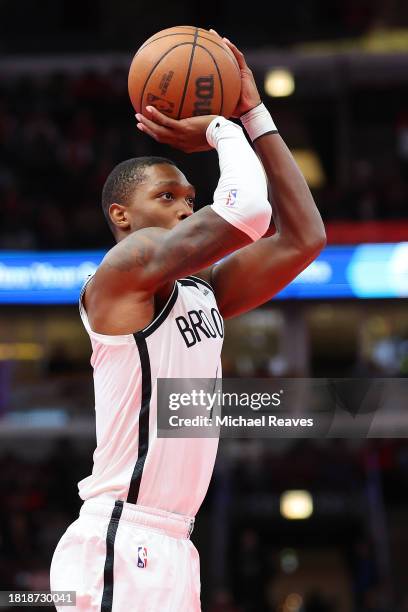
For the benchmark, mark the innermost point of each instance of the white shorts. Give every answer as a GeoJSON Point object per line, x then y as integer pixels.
{"type": "Point", "coordinates": [117, 556]}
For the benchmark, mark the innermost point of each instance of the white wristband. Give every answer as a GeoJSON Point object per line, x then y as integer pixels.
{"type": "Point", "coordinates": [258, 122]}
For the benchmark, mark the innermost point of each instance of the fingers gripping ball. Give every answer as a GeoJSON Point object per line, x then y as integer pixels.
{"type": "Point", "coordinates": [185, 72]}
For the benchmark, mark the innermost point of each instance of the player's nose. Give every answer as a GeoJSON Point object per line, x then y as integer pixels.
{"type": "Point", "coordinates": [183, 212]}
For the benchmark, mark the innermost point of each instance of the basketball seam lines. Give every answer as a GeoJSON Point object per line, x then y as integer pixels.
{"type": "Point", "coordinates": [219, 75]}
{"type": "Point", "coordinates": [230, 55]}
{"type": "Point", "coordinates": [154, 68]}
{"type": "Point", "coordinates": [146, 44]}
{"type": "Point", "coordinates": [227, 53]}
{"type": "Point", "coordinates": [180, 45]}
{"type": "Point", "coordinates": [188, 73]}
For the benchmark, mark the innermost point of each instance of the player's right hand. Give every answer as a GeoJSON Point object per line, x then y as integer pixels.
{"type": "Point", "coordinates": [188, 135]}
{"type": "Point", "coordinates": [249, 92]}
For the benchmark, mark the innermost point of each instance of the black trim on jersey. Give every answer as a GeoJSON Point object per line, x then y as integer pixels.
{"type": "Point", "coordinates": [186, 282]}
{"type": "Point", "coordinates": [143, 419]}
{"type": "Point", "coordinates": [81, 295]}
{"type": "Point", "coordinates": [161, 317]}
{"type": "Point", "coordinates": [107, 596]}
{"type": "Point", "coordinates": [200, 280]}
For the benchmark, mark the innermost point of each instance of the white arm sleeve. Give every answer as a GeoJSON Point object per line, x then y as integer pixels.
{"type": "Point", "coordinates": [241, 197]}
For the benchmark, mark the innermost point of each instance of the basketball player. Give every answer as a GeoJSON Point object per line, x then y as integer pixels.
{"type": "Point", "coordinates": [154, 309]}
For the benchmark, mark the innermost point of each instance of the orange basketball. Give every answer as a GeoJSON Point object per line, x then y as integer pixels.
{"type": "Point", "coordinates": [185, 72]}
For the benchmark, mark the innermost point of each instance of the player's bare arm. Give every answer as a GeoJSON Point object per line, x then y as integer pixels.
{"type": "Point", "coordinates": [271, 263]}
{"type": "Point", "coordinates": [143, 264]}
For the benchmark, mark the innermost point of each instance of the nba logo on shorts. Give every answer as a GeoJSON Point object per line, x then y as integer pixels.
{"type": "Point", "coordinates": [232, 196]}
{"type": "Point", "coordinates": [141, 556]}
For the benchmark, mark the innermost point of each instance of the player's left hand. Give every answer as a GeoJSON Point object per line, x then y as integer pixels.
{"type": "Point", "coordinates": [249, 92]}
{"type": "Point", "coordinates": [188, 135]}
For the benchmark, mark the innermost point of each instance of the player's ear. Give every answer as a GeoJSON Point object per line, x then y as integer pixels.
{"type": "Point", "coordinates": [119, 215]}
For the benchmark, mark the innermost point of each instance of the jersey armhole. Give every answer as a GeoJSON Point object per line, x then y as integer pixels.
{"type": "Point", "coordinates": [201, 281]}
{"type": "Point", "coordinates": [162, 316]}
{"type": "Point", "coordinates": [102, 338]}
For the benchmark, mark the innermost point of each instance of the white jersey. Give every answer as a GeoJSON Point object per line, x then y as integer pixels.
{"type": "Point", "coordinates": [130, 462]}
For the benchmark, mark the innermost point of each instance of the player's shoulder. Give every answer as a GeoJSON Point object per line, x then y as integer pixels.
{"type": "Point", "coordinates": [132, 250]}
{"type": "Point", "coordinates": [120, 269]}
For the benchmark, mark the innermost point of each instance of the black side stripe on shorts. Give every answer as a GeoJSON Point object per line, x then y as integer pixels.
{"type": "Point", "coordinates": [143, 419]}
{"type": "Point", "coordinates": [107, 597]}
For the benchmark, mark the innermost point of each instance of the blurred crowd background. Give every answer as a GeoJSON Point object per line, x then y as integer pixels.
{"type": "Point", "coordinates": [62, 132]}
{"type": "Point", "coordinates": [65, 121]}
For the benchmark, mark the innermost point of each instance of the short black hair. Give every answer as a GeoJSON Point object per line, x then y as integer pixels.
{"type": "Point", "coordinates": [123, 180]}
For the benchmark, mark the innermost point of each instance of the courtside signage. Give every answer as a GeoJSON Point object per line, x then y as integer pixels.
{"type": "Point", "coordinates": [45, 278]}
{"type": "Point", "coordinates": [364, 271]}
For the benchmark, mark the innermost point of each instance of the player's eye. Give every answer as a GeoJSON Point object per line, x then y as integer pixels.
{"type": "Point", "coordinates": [167, 195]}
{"type": "Point", "coordinates": [190, 201]}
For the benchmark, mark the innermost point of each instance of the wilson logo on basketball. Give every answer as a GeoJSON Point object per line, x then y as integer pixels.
{"type": "Point", "coordinates": [204, 93]}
